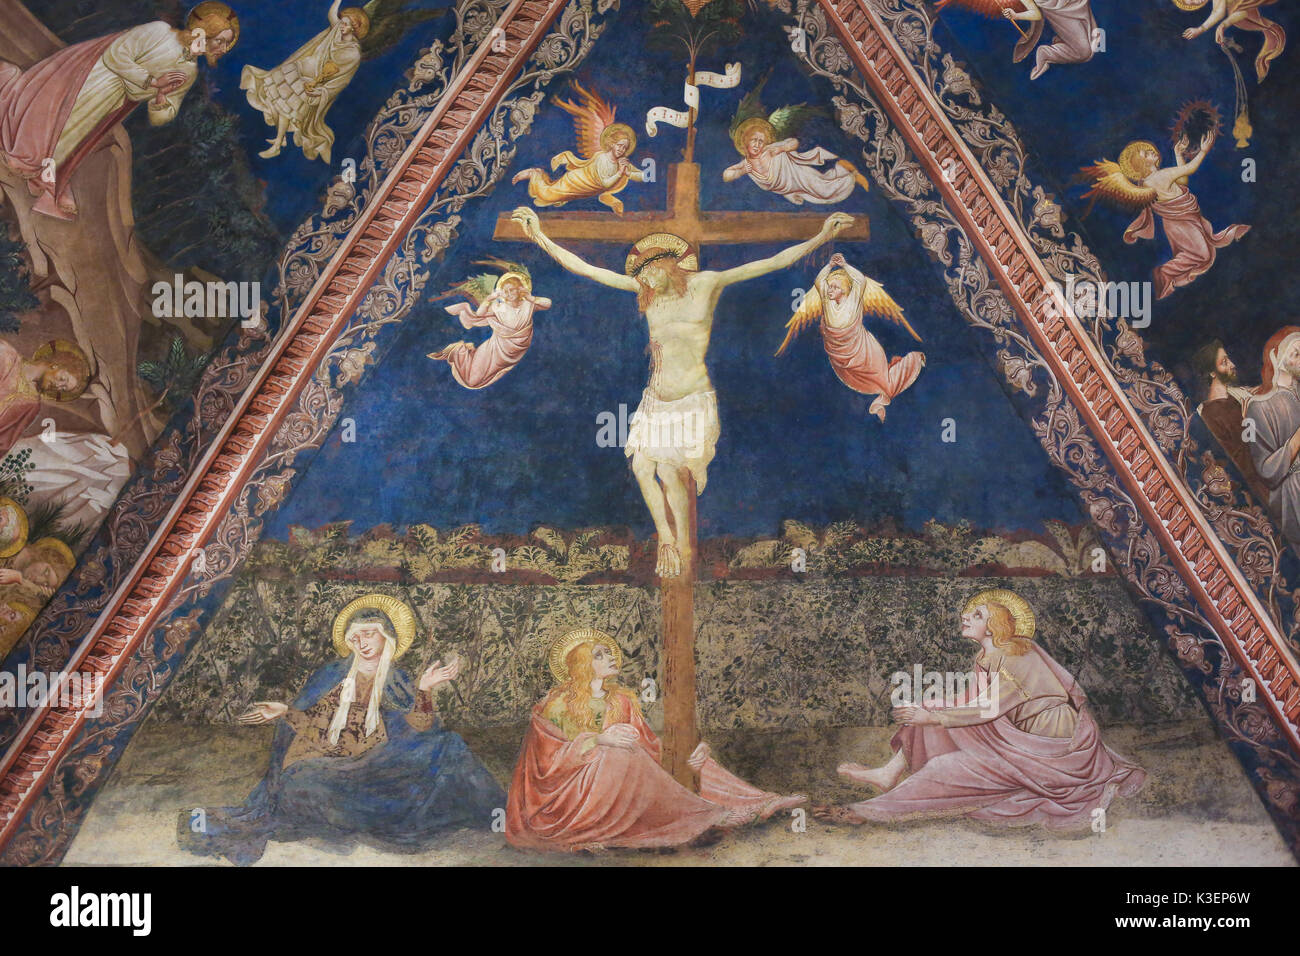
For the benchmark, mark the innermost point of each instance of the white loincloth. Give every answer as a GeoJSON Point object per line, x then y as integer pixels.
{"type": "Point", "coordinates": [683, 432]}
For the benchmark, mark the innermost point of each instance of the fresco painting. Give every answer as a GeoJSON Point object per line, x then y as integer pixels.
{"type": "Point", "coordinates": [454, 477]}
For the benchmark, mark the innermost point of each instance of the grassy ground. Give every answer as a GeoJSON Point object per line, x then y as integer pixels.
{"type": "Point", "coordinates": [1196, 809]}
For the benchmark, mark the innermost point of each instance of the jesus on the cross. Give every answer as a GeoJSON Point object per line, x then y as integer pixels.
{"type": "Point", "coordinates": [676, 424]}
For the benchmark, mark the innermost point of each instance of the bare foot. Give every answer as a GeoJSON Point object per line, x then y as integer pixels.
{"type": "Point", "coordinates": [272, 150]}
{"type": "Point", "coordinates": [524, 174]}
{"type": "Point", "coordinates": [669, 564]}
{"type": "Point", "coordinates": [837, 814]}
{"type": "Point", "coordinates": [880, 778]}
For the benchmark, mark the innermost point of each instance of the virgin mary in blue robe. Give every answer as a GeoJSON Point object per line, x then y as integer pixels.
{"type": "Point", "coordinates": [347, 762]}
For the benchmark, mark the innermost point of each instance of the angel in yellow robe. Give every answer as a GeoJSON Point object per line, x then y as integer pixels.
{"type": "Point", "coordinates": [605, 167]}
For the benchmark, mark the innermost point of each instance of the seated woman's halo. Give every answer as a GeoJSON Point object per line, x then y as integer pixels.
{"type": "Point", "coordinates": [399, 615]}
{"type": "Point", "coordinates": [567, 642]}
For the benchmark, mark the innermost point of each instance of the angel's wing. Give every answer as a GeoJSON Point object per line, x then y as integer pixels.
{"type": "Point", "coordinates": [505, 265]}
{"type": "Point", "coordinates": [788, 119]}
{"type": "Point", "coordinates": [476, 288]}
{"type": "Point", "coordinates": [876, 301]}
{"type": "Point", "coordinates": [988, 8]}
{"type": "Point", "coordinates": [808, 314]}
{"type": "Point", "coordinates": [1110, 183]}
{"type": "Point", "coordinates": [591, 115]}
{"type": "Point", "coordinates": [751, 105]}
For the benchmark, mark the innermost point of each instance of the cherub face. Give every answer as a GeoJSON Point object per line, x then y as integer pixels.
{"type": "Point", "coordinates": [1148, 161]}
{"type": "Point", "coordinates": [602, 662]}
{"type": "Point", "coordinates": [346, 29]}
{"type": "Point", "coordinates": [619, 146]}
{"type": "Point", "coordinates": [975, 623]}
{"type": "Point", "coordinates": [757, 140]}
{"type": "Point", "coordinates": [836, 289]}
{"type": "Point", "coordinates": [513, 292]}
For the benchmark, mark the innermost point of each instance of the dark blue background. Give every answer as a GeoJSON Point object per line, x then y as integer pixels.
{"type": "Point", "coordinates": [795, 442]}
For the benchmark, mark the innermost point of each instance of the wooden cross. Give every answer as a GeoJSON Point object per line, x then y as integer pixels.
{"type": "Point", "coordinates": [682, 218]}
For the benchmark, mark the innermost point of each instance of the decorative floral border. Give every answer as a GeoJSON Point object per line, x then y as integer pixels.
{"type": "Point", "coordinates": [1039, 398]}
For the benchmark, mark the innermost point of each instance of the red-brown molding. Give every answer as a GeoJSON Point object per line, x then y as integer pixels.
{"type": "Point", "coordinates": [1167, 505]}
{"type": "Point", "coordinates": [1225, 597]}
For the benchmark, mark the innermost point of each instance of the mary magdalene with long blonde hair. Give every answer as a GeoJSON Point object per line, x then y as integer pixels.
{"type": "Point", "coordinates": [589, 777]}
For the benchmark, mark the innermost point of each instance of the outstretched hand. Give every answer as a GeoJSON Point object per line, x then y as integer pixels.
{"type": "Point", "coordinates": [528, 222]}
{"type": "Point", "coordinates": [436, 674]}
{"type": "Point", "coordinates": [836, 223]}
{"type": "Point", "coordinates": [263, 712]}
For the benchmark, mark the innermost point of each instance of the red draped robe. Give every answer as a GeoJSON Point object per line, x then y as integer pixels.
{"type": "Point", "coordinates": [34, 108]}
{"type": "Point", "coordinates": [1190, 235]}
{"type": "Point", "coordinates": [569, 795]}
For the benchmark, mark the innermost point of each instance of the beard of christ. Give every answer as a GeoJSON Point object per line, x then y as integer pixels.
{"type": "Point", "coordinates": [677, 279]}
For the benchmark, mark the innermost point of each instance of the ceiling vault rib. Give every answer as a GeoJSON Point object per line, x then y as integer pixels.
{"type": "Point", "coordinates": [1227, 600]}
{"type": "Point", "coordinates": [1224, 595]}
{"type": "Point", "coordinates": [301, 345]}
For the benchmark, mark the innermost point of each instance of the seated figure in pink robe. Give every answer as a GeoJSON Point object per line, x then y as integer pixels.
{"type": "Point", "coordinates": [589, 777]}
{"type": "Point", "coordinates": [840, 298]}
{"type": "Point", "coordinates": [1023, 750]}
{"type": "Point", "coordinates": [508, 312]}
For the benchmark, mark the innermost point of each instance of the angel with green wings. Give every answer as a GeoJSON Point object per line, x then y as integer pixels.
{"type": "Point", "coordinates": [504, 303]}
{"type": "Point", "coordinates": [770, 154]}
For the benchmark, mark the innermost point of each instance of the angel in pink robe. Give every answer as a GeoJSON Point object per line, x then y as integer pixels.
{"type": "Point", "coordinates": [1137, 181]}
{"type": "Point", "coordinates": [1023, 750]}
{"type": "Point", "coordinates": [840, 299]}
{"type": "Point", "coordinates": [508, 311]}
{"type": "Point", "coordinates": [589, 777]}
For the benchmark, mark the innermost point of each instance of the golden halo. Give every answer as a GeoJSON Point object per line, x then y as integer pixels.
{"type": "Point", "coordinates": [8, 551]}
{"type": "Point", "coordinates": [608, 134]}
{"type": "Point", "coordinates": [742, 132]}
{"type": "Point", "coordinates": [398, 613]}
{"type": "Point", "coordinates": [1125, 161]}
{"type": "Point", "coordinates": [527, 282]}
{"type": "Point", "coordinates": [211, 8]}
{"type": "Point", "coordinates": [52, 548]}
{"type": "Point", "coordinates": [661, 242]}
{"type": "Point", "coordinates": [360, 20]}
{"type": "Point", "coordinates": [567, 642]}
{"type": "Point", "coordinates": [68, 354]}
{"type": "Point", "coordinates": [1020, 610]}
{"type": "Point", "coordinates": [1189, 4]}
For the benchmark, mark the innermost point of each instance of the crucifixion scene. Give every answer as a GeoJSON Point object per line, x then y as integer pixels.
{"type": "Point", "coordinates": [689, 432]}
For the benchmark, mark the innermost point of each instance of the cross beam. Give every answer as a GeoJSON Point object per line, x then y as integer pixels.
{"type": "Point", "coordinates": [684, 218]}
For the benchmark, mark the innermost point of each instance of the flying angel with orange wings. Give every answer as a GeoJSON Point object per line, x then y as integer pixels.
{"type": "Point", "coordinates": [1077, 33]}
{"type": "Point", "coordinates": [605, 166]}
{"type": "Point", "coordinates": [840, 300]}
{"type": "Point", "coordinates": [1137, 182]}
